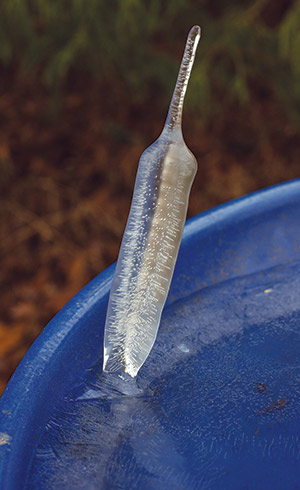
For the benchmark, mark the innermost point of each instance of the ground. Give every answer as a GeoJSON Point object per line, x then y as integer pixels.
{"type": "Point", "coordinates": [67, 169]}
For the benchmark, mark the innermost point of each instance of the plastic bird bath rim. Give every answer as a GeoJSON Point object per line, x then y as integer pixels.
{"type": "Point", "coordinates": [29, 390]}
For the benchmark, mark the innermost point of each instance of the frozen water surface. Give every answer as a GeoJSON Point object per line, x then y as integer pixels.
{"type": "Point", "coordinates": [216, 404]}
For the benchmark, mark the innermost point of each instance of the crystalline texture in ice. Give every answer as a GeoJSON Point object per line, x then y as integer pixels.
{"type": "Point", "coordinates": [152, 236]}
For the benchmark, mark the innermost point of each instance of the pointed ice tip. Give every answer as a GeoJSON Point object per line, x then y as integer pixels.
{"type": "Point", "coordinates": [175, 110]}
{"type": "Point", "coordinates": [194, 37]}
{"type": "Point", "coordinates": [195, 31]}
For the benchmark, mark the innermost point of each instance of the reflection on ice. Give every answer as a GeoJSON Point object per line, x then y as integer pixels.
{"type": "Point", "coordinates": [81, 444]}
{"type": "Point", "coordinates": [218, 396]}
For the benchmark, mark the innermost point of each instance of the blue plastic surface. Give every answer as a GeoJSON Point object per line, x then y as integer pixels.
{"type": "Point", "coordinates": [219, 396]}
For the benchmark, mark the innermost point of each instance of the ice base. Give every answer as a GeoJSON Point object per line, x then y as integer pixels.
{"type": "Point", "coordinates": [216, 404]}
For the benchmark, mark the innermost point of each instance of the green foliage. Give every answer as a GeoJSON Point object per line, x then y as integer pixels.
{"type": "Point", "coordinates": [134, 46]}
{"type": "Point", "coordinates": [288, 78]}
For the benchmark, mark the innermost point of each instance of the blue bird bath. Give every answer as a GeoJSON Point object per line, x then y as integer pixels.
{"type": "Point", "coordinates": [217, 401]}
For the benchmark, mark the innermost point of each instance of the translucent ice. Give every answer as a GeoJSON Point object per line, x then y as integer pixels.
{"type": "Point", "coordinates": [216, 405]}
{"type": "Point", "coordinates": [152, 237]}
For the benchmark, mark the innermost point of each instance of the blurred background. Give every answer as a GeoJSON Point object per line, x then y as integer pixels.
{"type": "Point", "coordinates": [84, 89]}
